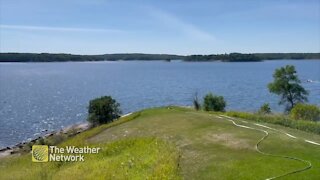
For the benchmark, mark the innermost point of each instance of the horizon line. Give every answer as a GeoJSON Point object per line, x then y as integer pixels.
{"type": "Point", "coordinates": [158, 53]}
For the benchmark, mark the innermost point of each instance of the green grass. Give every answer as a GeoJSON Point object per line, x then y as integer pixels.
{"type": "Point", "coordinates": [132, 158]}
{"type": "Point", "coordinates": [174, 143]}
{"type": "Point", "coordinates": [303, 125]}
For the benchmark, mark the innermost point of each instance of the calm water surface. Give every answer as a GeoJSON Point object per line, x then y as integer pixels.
{"type": "Point", "coordinates": [39, 96]}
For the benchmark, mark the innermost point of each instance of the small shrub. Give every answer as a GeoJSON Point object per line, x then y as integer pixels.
{"type": "Point", "coordinates": [306, 112]}
{"type": "Point", "coordinates": [103, 110]}
{"type": "Point", "coordinates": [214, 103]}
{"type": "Point", "coordinates": [40, 141]}
{"type": "Point", "coordinates": [265, 109]}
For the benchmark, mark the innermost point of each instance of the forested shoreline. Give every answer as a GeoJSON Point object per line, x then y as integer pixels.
{"type": "Point", "coordinates": [232, 57]}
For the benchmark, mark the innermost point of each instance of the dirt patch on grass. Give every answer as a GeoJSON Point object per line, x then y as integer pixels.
{"type": "Point", "coordinates": [229, 140]}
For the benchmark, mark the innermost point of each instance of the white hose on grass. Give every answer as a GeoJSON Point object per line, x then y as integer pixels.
{"type": "Point", "coordinates": [312, 142]}
{"type": "Point", "coordinates": [291, 136]}
{"type": "Point", "coordinates": [309, 165]}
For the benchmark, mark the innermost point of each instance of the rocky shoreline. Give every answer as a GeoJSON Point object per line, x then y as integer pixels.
{"type": "Point", "coordinates": [68, 131]}
{"type": "Point", "coordinates": [65, 133]}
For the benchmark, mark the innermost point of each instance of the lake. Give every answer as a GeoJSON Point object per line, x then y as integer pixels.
{"type": "Point", "coordinates": [49, 96]}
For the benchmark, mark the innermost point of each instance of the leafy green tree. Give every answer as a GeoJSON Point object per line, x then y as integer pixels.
{"type": "Point", "coordinates": [287, 84]}
{"type": "Point", "coordinates": [103, 110]}
{"type": "Point", "coordinates": [265, 109]}
{"type": "Point", "coordinates": [214, 103]}
{"type": "Point", "coordinates": [306, 112]}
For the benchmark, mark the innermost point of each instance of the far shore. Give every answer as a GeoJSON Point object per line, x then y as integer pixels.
{"type": "Point", "coordinates": [225, 57]}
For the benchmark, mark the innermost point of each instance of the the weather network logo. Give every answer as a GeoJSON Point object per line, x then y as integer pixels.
{"type": "Point", "coordinates": [40, 153]}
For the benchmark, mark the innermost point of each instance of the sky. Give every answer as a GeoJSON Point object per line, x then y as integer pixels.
{"type": "Point", "coordinates": [181, 27]}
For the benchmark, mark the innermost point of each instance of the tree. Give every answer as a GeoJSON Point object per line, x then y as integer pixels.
{"type": "Point", "coordinates": [103, 110]}
{"type": "Point", "coordinates": [306, 112]}
{"type": "Point", "coordinates": [287, 84]}
{"type": "Point", "coordinates": [265, 109]}
{"type": "Point", "coordinates": [214, 103]}
{"type": "Point", "coordinates": [196, 103]}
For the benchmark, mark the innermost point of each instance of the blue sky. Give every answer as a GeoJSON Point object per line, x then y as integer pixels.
{"type": "Point", "coordinates": [166, 26]}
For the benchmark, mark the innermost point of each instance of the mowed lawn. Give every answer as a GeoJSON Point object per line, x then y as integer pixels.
{"type": "Point", "coordinates": [176, 143]}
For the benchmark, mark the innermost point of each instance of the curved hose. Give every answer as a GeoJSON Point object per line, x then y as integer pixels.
{"type": "Point", "coordinates": [309, 165]}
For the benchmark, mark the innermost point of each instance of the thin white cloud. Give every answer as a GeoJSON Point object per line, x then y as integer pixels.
{"type": "Point", "coordinates": [173, 21]}
{"type": "Point", "coordinates": [62, 29]}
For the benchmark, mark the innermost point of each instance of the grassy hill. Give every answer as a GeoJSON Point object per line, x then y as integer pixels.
{"type": "Point", "coordinates": [178, 143]}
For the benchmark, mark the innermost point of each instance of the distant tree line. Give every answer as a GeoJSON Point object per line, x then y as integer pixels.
{"type": "Point", "coordinates": [232, 57]}
{"type": "Point", "coordinates": [46, 57]}
{"type": "Point", "coordinates": [272, 56]}
{"type": "Point", "coordinates": [239, 57]}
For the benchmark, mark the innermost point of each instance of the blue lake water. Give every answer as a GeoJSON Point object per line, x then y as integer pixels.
{"type": "Point", "coordinates": [38, 96]}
